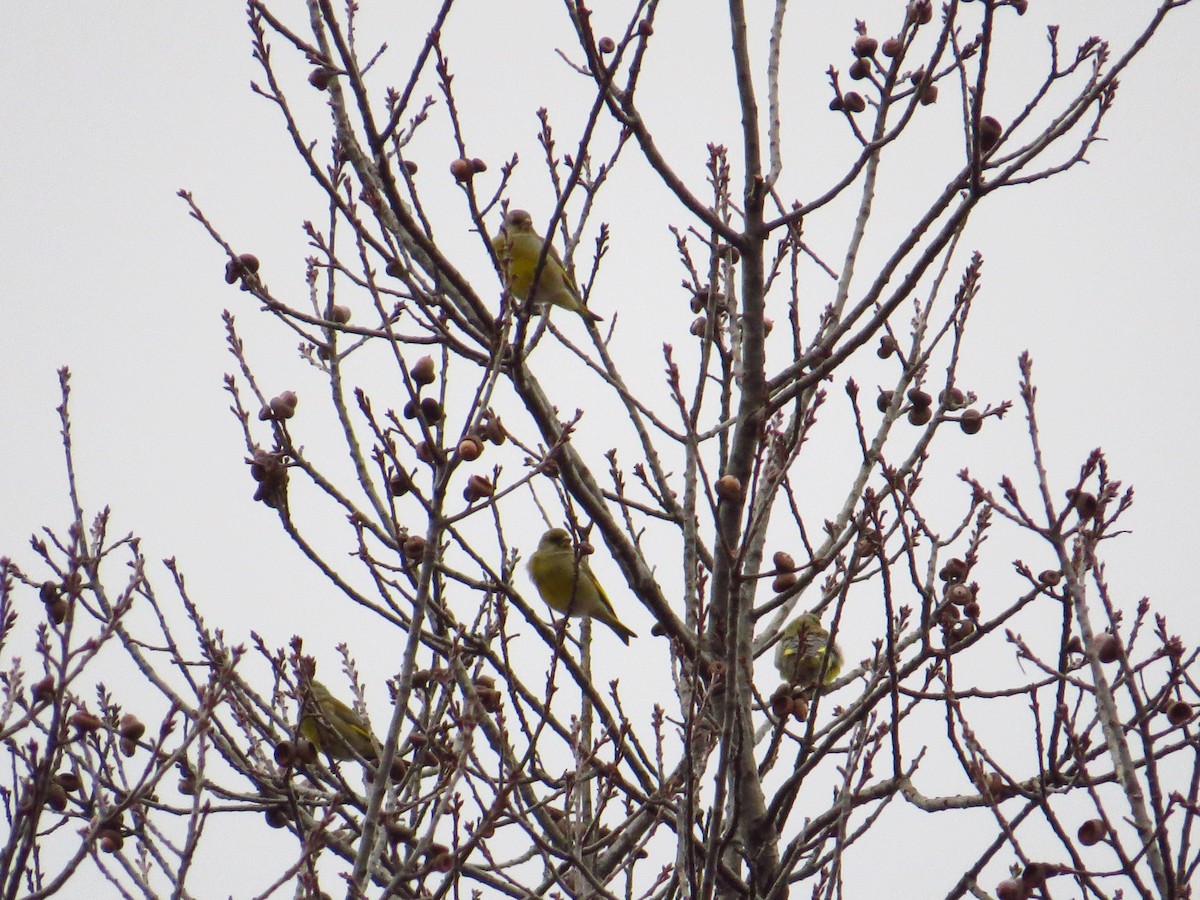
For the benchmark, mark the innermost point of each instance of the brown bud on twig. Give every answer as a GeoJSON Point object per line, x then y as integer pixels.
{"type": "Point", "coordinates": [1108, 647]}
{"type": "Point", "coordinates": [424, 372]}
{"type": "Point", "coordinates": [920, 415]}
{"type": "Point", "coordinates": [929, 95]}
{"type": "Point", "coordinates": [43, 691]}
{"type": "Point", "coordinates": [1011, 889]}
{"type": "Point", "coordinates": [918, 397]}
{"type": "Point", "coordinates": [69, 781]}
{"type": "Point", "coordinates": [320, 77]}
{"type": "Point", "coordinates": [954, 570]}
{"type": "Point", "coordinates": [891, 48]}
{"type": "Point", "coordinates": [920, 12]}
{"type": "Point", "coordinates": [865, 46]}
{"type": "Point", "coordinates": [1050, 577]}
{"type": "Point", "coordinates": [470, 448]}
{"type": "Point", "coordinates": [56, 796]}
{"type": "Point", "coordinates": [85, 722]}
{"type": "Point", "coordinates": [1084, 503]}
{"type": "Point", "coordinates": [606, 44]}
{"type": "Point", "coordinates": [1179, 713]}
{"type": "Point", "coordinates": [783, 581]}
{"type": "Point", "coordinates": [277, 817]}
{"type": "Point", "coordinates": [110, 840]}
{"type": "Point", "coordinates": [990, 130]}
{"type": "Point", "coordinates": [478, 488]}
{"type": "Point", "coordinates": [884, 400]}
{"type": "Point", "coordinates": [399, 484]}
{"type": "Point", "coordinates": [1092, 832]}
{"type": "Point", "coordinates": [781, 702]}
{"type": "Point", "coordinates": [959, 594]}
{"type": "Point", "coordinates": [952, 398]}
{"type": "Point", "coordinates": [57, 611]}
{"type": "Point", "coordinates": [971, 421]}
{"type": "Point", "coordinates": [414, 546]}
{"type": "Point", "coordinates": [887, 346]}
{"type": "Point", "coordinates": [131, 727]}
{"type": "Point", "coordinates": [728, 488]}
{"type": "Point", "coordinates": [854, 102]}
{"type": "Point", "coordinates": [285, 754]}
{"type": "Point", "coordinates": [462, 170]}
{"type": "Point", "coordinates": [860, 69]}
{"type": "Point", "coordinates": [339, 314]}
{"type": "Point", "coordinates": [431, 410]}
{"type": "Point", "coordinates": [783, 562]}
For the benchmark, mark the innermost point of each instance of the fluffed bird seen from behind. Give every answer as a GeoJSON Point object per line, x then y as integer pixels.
{"type": "Point", "coordinates": [519, 250]}
{"type": "Point", "coordinates": [804, 649]}
{"type": "Point", "coordinates": [567, 584]}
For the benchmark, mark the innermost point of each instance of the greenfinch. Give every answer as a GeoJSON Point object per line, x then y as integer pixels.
{"type": "Point", "coordinates": [804, 649]}
{"type": "Point", "coordinates": [519, 249]}
{"type": "Point", "coordinates": [333, 727]}
{"type": "Point", "coordinates": [567, 584]}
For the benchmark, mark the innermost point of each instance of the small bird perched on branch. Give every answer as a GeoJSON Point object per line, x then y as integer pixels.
{"type": "Point", "coordinates": [567, 584]}
{"type": "Point", "coordinates": [333, 727]}
{"type": "Point", "coordinates": [804, 649]}
{"type": "Point", "coordinates": [519, 249]}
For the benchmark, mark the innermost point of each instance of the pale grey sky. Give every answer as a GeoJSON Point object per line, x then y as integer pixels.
{"type": "Point", "coordinates": [110, 110]}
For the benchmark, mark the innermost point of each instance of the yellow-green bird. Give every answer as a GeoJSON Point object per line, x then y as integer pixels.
{"type": "Point", "coordinates": [333, 727]}
{"type": "Point", "coordinates": [567, 584]}
{"type": "Point", "coordinates": [519, 248]}
{"type": "Point", "coordinates": [803, 649]}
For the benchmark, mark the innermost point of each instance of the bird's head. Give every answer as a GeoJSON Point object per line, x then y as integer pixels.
{"type": "Point", "coordinates": [519, 220]}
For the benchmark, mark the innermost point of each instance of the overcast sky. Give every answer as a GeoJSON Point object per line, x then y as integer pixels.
{"type": "Point", "coordinates": [110, 110]}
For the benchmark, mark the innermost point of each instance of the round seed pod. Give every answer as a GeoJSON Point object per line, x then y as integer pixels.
{"type": "Point", "coordinates": [783, 581]}
{"type": "Point", "coordinates": [854, 102]}
{"type": "Point", "coordinates": [1179, 713]}
{"type": "Point", "coordinates": [285, 754]}
{"type": "Point", "coordinates": [990, 130]}
{"type": "Point", "coordinates": [728, 488]}
{"type": "Point", "coordinates": [400, 483]}
{"type": "Point", "coordinates": [43, 691]}
{"type": "Point", "coordinates": [424, 371]}
{"type": "Point", "coordinates": [1108, 647]}
{"type": "Point", "coordinates": [320, 78]}
{"type": "Point", "coordinates": [865, 46]}
{"type": "Point", "coordinates": [971, 421]}
{"type": "Point", "coordinates": [131, 727]}
{"type": "Point", "coordinates": [783, 562]}
{"type": "Point", "coordinates": [606, 44]}
{"type": "Point", "coordinates": [470, 448]}
{"type": "Point", "coordinates": [918, 397]}
{"type": "Point", "coordinates": [56, 796]}
{"type": "Point", "coordinates": [920, 415]}
{"type": "Point", "coordinates": [1092, 832]}
{"type": "Point", "coordinates": [85, 722]}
